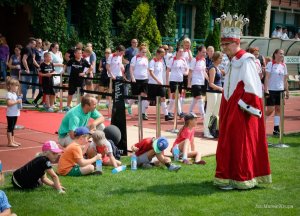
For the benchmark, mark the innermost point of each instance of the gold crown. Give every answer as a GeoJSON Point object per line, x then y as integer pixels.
{"type": "Point", "coordinates": [231, 26]}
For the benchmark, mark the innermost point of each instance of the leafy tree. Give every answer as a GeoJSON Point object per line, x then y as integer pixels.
{"type": "Point", "coordinates": [142, 25]}
{"type": "Point", "coordinates": [50, 22]}
{"type": "Point", "coordinates": [202, 18]}
{"type": "Point", "coordinates": [166, 18]}
{"type": "Point", "coordinates": [96, 23]}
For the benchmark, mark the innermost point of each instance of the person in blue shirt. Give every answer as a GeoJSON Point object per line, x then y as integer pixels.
{"type": "Point", "coordinates": [5, 207]}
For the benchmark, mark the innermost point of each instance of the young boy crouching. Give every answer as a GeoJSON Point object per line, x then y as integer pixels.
{"type": "Point", "coordinates": [100, 145]}
{"type": "Point", "coordinates": [148, 148]}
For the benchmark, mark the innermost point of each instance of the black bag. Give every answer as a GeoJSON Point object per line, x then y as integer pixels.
{"type": "Point", "coordinates": [213, 126]}
{"type": "Point", "coordinates": [115, 150]}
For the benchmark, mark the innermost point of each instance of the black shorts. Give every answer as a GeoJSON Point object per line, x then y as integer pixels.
{"type": "Point", "coordinates": [198, 90]}
{"type": "Point", "coordinates": [185, 81]}
{"type": "Point", "coordinates": [156, 90]}
{"type": "Point", "coordinates": [173, 86]}
{"type": "Point", "coordinates": [274, 99]}
{"type": "Point", "coordinates": [104, 83]}
{"type": "Point", "coordinates": [48, 90]}
{"type": "Point", "coordinates": [73, 89]}
{"type": "Point", "coordinates": [139, 87]}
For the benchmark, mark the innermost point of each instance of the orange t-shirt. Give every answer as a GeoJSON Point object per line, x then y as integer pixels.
{"type": "Point", "coordinates": [69, 158]}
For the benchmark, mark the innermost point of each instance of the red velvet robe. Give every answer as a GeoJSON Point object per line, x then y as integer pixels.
{"type": "Point", "coordinates": [242, 152]}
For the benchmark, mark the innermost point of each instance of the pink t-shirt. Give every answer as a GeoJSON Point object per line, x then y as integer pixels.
{"type": "Point", "coordinates": [186, 133]}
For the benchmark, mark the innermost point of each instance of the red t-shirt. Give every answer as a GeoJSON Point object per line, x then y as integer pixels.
{"type": "Point", "coordinates": [186, 133]}
{"type": "Point", "coordinates": [144, 145]}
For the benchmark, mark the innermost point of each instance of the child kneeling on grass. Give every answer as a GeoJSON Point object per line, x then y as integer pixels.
{"type": "Point", "coordinates": [102, 146]}
{"type": "Point", "coordinates": [148, 148]}
{"type": "Point", "coordinates": [185, 140]}
{"type": "Point", "coordinates": [32, 174]}
{"type": "Point", "coordinates": [71, 162]}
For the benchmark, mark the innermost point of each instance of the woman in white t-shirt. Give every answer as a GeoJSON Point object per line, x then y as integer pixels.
{"type": "Point", "coordinates": [275, 83]}
{"type": "Point", "coordinates": [177, 67]}
{"type": "Point", "coordinates": [139, 77]}
{"type": "Point", "coordinates": [196, 80]}
{"type": "Point", "coordinates": [156, 80]}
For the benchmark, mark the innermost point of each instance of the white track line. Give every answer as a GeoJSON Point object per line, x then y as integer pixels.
{"type": "Point", "coordinates": [17, 149]}
{"type": "Point", "coordinates": [17, 134]}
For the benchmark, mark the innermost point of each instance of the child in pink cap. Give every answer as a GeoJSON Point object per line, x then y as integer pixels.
{"type": "Point", "coordinates": [34, 173]}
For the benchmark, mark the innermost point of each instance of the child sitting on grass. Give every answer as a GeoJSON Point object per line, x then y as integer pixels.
{"type": "Point", "coordinates": [71, 162]}
{"type": "Point", "coordinates": [34, 173]}
{"type": "Point", "coordinates": [148, 148]}
{"type": "Point", "coordinates": [102, 146]}
{"type": "Point", "coordinates": [185, 140]}
{"type": "Point", "coordinates": [5, 207]}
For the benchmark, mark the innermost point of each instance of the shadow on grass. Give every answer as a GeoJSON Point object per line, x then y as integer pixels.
{"type": "Point", "coordinates": [177, 189]}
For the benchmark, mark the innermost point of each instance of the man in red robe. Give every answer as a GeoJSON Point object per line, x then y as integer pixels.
{"type": "Point", "coordinates": [242, 152]}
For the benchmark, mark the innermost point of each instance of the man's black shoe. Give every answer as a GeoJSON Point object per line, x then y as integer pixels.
{"type": "Point", "coordinates": [145, 117]}
{"type": "Point", "coordinates": [167, 118]}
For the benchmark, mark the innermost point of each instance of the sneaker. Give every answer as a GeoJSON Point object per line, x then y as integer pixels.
{"type": "Point", "coordinates": [50, 110]}
{"type": "Point", "coordinates": [276, 132]}
{"type": "Point", "coordinates": [129, 110]}
{"type": "Point", "coordinates": [171, 115]}
{"type": "Point", "coordinates": [181, 115]}
{"type": "Point", "coordinates": [167, 118]}
{"type": "Point", "coordinates": [145, 117]}
{"type": "Point", "coordinates": [26, 102]}
{"type": "Point", "coordinates": [227, 187]}
{"type": "Point", "coordinates": [208, 136]}
{"type": "Point", "coordinates": [174, 167]}
{"type": "Point", "coordinates": [201, 162]}
{"type": "Point", "coordinates": [187, 162]}
{"type": "Point", "coordinates": [67, 108]}
{"type": "Point", "coordinates": [35, 104]}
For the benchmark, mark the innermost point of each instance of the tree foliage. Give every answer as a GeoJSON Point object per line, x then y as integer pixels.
{"type": "Point", "coordinates": [96, 23]}
{"type": "Point", "coordinates": [142, 25]}
{"type": "Point", "coordinates": [202, 18]}
{"type": "Point", "coordinates": [166, 17]}
{"type": "Point", "coordinates": [49, 22]}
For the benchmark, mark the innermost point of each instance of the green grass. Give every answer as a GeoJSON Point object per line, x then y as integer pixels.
{"type": "Point", "coordinates": [160, 192]}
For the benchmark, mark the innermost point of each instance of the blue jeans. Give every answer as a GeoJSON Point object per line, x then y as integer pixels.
{"type": "Point", "coordinates": [25, 86]}
{"type": "Point", "coordinates": [35, 80]}
{"type": "Point", "coordinates": [3, 69]}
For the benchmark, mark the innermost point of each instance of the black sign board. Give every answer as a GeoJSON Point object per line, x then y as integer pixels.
{"type": "Point", "coordinates": [118, 117]}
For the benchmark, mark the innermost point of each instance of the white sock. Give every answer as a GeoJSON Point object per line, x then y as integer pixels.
{"type": "Point", "coordinates": [179, 107]}
{"type": "Point", "coordinates": [164, 108]}
{"type": "Point", "coordinates": [276, 120]}
{"type": "Point", "coordinates": [194, 101]}
{"type": "Point", "coordinates": [184, 156]}
{"type": "Point", "coordinates": [181, 103]}
{"type": "Point", "coordinates": [171, 106]}
{"type": "Point", "coordinates": [145, 105]}
{"type": "Point", "coordinates": [201, 106]}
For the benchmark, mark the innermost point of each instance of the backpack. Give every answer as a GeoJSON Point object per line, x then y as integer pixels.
{"type": "Point", "coordinates": [115, 150]}
{"type": "Point", "coordinates": [213, 126]}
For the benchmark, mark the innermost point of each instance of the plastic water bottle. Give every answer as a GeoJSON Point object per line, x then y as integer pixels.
{"type": "Point", "coordinates": [176, 153]}
{"type": "Point", "coordinates": [118, 169]}
{"type": "Point", "coordinates": [19, 104]}
{"type": "Point", "coordinates": [133, 162]}
{"type": "Point", "coordinates": [99, 166]}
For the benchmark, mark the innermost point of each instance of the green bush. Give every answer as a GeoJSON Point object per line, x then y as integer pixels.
{"type": "Point", "coordinates": [202, 18]}
{"type": "Point", "coordinates": [142, 25]}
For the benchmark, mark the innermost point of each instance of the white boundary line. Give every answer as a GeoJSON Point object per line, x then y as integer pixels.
{"type": "Point", "coordinates": [17, 149]}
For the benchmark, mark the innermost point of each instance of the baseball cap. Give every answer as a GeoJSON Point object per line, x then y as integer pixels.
{"type": "Point", "coordinates": [160, 144]}
{"type": "Point", "coordinates": [99, 137]}
{"type": "Point", "coordinates": [51, 146]}
{"type": "Point", "coordinates": [81, 131]}
{"type": "Point", "coordinates": [190, 116]}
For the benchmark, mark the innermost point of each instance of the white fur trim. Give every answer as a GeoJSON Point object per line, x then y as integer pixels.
{"type": "Point", "coordinates": [249, 109]}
